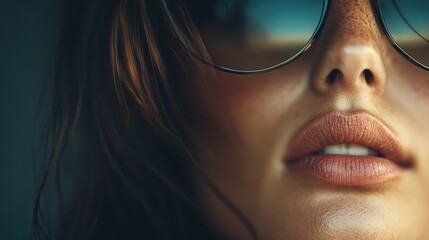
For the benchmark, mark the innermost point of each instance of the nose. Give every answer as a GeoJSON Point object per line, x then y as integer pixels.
{"type": "Point", "coordinates": [350, 57]}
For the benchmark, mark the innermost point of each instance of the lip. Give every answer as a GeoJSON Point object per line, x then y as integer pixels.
{"type": "Point", "coordinates": [348, 128]}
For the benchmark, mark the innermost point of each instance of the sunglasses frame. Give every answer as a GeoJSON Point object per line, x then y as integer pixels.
{"type": "Point", "coordinates": [380, 20]}
{"type": "Point", "coordinates": [375, 4]}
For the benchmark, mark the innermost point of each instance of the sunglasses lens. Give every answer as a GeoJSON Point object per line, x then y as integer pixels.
{"type": "Point", "coordinates": [407, 22]}
{"type": "Point", "coordinates": [251, 35]}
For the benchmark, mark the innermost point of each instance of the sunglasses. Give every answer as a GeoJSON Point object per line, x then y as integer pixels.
{"type": "Point", "coordinates": [255, 36]}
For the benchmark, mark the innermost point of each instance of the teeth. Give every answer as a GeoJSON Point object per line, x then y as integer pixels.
{"type": "Point", "coordinates": [348, 149]}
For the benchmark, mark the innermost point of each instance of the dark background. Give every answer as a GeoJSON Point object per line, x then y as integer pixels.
{"type": "Point", "coordinates": [28, 32]}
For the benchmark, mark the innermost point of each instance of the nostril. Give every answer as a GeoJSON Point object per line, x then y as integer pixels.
{"type": "Point", "coordinates": [369, 77]}
{"type": "Point", "coordinates": [332, 76]}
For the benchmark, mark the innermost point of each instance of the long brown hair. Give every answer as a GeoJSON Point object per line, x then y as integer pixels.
{"type": "Point", "coordinates": [116, 138]}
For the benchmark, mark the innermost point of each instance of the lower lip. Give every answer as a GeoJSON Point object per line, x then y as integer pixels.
{"type": "Point", "coordinates": [348, 170]}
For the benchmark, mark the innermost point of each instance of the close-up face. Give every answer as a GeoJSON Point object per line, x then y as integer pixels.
{"type": "Point", "coordinates": [331, 145]}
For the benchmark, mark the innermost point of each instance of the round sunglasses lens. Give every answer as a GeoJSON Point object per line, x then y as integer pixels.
{"type": "Point", "coordinates": [407, 22]}
{"type": "Point", "coordinates": [251, 35]}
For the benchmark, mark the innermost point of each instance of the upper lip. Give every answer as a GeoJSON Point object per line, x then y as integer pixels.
{"type": "Point", "coordinates": [347, 128]}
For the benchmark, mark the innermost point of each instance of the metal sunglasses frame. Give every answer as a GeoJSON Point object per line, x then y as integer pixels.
{"type": "Point", "coordinates": [375, 4]}
{"type": "Point", "coordinates": [383, 25]}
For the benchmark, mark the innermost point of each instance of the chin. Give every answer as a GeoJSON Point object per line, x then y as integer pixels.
{"type": "Point", "coordinates": [349, 217]}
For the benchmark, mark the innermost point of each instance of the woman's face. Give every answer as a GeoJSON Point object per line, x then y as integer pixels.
{"type": "Point", "coordinates": [261, 137]}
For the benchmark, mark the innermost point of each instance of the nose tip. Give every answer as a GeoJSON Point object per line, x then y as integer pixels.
{"type": "Point", "coordinates": [351, 67]}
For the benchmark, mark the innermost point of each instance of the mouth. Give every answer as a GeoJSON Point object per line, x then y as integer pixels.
{"type": "Point", "coordinates": [350, 149]}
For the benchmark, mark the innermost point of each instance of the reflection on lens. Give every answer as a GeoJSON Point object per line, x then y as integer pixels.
{"type": "Point", "coordinates": [255, 34]}
{"type": "Point", "coordinates": [408, 24]}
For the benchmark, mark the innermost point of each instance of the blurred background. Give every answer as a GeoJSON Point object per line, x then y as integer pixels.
{"type": "Point", "coordinates": [27, 42]}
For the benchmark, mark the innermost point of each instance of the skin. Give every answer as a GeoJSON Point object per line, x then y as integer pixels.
{"type": "Point", "coordinates": [243, 126]}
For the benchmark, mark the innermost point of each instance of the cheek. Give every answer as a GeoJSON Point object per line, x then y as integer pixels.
{"type": "Point", "coordinates": [244, 109]}
{"type": "Point", "coordinates": [407, 85]}
{"type": "Point", "coordinates": [408, 95]}
{"type": "Point", "coordinates": [239, 123]}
